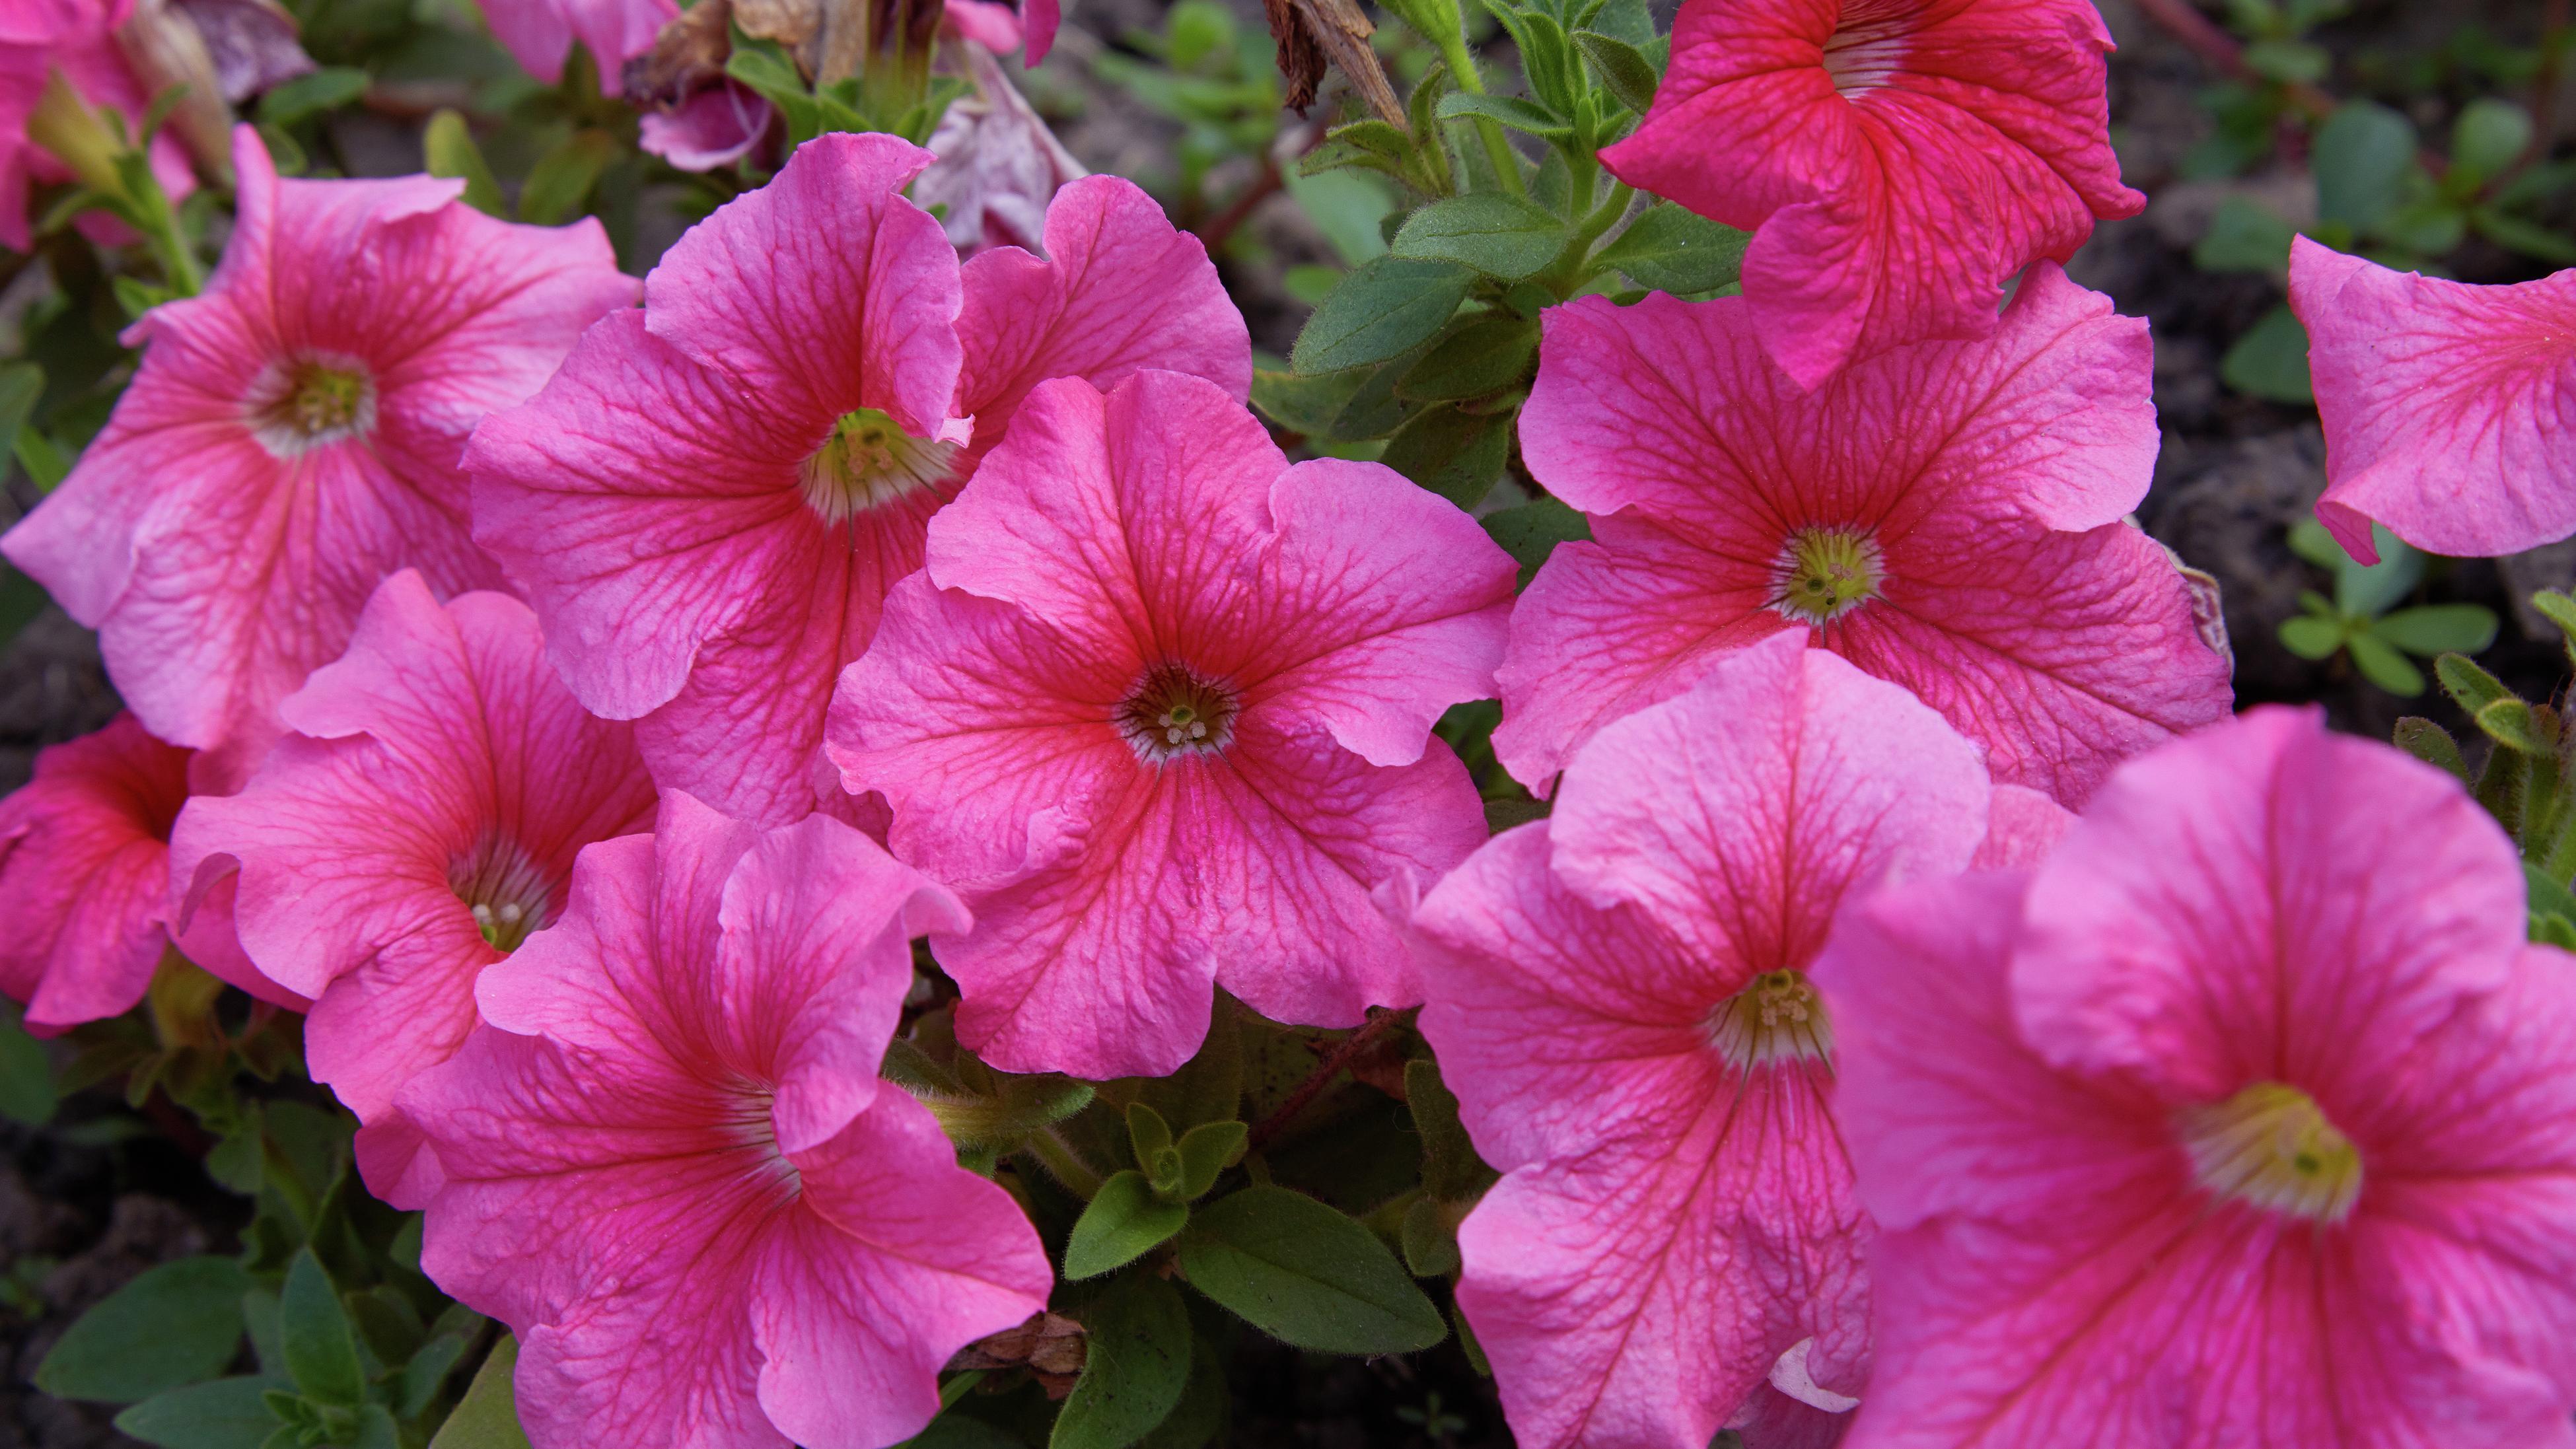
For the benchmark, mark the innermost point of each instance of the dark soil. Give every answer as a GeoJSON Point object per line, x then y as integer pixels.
{"type": "Point", "coordinates": [77, 1220]}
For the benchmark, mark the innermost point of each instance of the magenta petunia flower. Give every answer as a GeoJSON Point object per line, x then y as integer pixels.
{"type": "Point", "coordinates": [669, 1165]}
{"type": "Point", "coordinates": [1160, 705]}
{"type": "Point", "coordinates": [292, 438]}
{"type": "Point", "coordinates": [85, 882]}
{"type": "Point", "coordinates": [1618, 995]}
{"type": "Point", "coordinates": [1947, 516]}
{"type": "Point", "coordinates": [710, 500]}
{"type": "Point", "coordinates": [539, 34]}
{"type": "Point", "coordinates": [78, 38]}
{"type": "Point", "coordinates": [2450, 409]}
{"type": "Point", "coordinates": [1896, 160]}
{"type": "Point", "coordinates": [2246, 1119]}
{"type": "Point", "coordinates": [419, 823]}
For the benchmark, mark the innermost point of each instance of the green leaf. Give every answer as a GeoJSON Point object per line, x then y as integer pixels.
{"type": "Point", "coordinates": [2558, 609]}
{"type": "Point", "coordinates": [426, 1371]}
{"type": "Point", "coordinates": [1454, 453]}
{"type": "Point", "coordinates": [560, 183]}
{"type": "Point", "coordinates": [1378, 145]}
{"type": "Point", "coordinates": [1135, 1366]}
{"type": "Point", "coordinates": [2432, 744]}
{"type": "Point", "coordinates": [1122, 1222]}
{"type": "Point", "coordinates": [1667, 249]}
{"type": "Point", "coordinates": [2288, 61]}
{"type": "Point", "coordinates": [2439, 629]}
{"type": "Point", "coordinates": [2271, 360]}
{"type": "Point", "coordinates": [1306, 1275]}
{"type": "Point", "coordinates": [175, 1324]}
{"type": "Point", "coordinates": [2382, 665]}
{"type": "Point", "coordinates": [2529, 238]}
{"type": "Point", "coordinates": [2312, 636]}
{"type": "Point", "coordinates": [1004, 1119]}
{"type": "Point", "coordinates": [1201, 1412]}
{"type": "Point", "coordinates": [21, 385]}
{"type": "Point", "coordinates": [1478, 357]}
{"type": "Point", "coordinates": [1438, 21]}
{"type": "Point", "coordinates": [448, 147]}
{"type": "Point", "coordinates": [1532, 531]}
{"type": "Point", "coordinates": [1304, 403]}
{"type": "Point", "coordinates": [1451, 1170]}
{"type": "Point", "coordinates": [2367, 590]}
{"type": "Point", "coordinates": [1381, 309]}
{"type": "Point", "coordinates": [1347, 207]}
{"type": "Point", "coordinates": [2244, 236]}
{"type": "Point", "coordinates": [43, 459]}
{"type": "Point", "coordinates": [1207, 1150]}
{"type": "Point", "coordinates": [310, 94]}
{"type": "Point", "coordinates": [223, 1414]}
{"type": "Point", "coordinates": [2490, 135]}
{"type": "Point", "coordinates": [2498, 711]}
{"type": "Point", "coordinates": [1430, 1244]}
{"type": "Point", "coordinates": [2547, 896]}
{"type": "Point", "coordinates": [488, 1416]}
{"type": "Point", "coordinates": [2361, 158]}
{"type": "Point", "coordinates": [1495, 232]}
{"type": "Point", "coordinates": [321, 1354]}
{"type": "Point", "coordinates": [1147, 1133]}
{"type": "Point", "coordinates": [26, 1078]}
{"type": "Point", "coordinates": [1624, 70]}
{"type": "Point", "coordinates": [1510, 111]}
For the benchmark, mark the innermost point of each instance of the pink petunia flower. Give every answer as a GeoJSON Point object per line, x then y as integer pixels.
{"type": "Point", "coordinates": [1160, 705]}
{"type": "Point", "coordinates": [78, 38]}
{"type": "Point", "coordinates": [2450, 409]}
{"type": "Point", "coordinates": [1895, 160]}
{"type": "Point", "coordinates": [2246, 1119]}
{"type": "Point", "coordinates": [1947, 516]}
{"type": "Point", "coordinates": [85, 882]}
{"type": "Point", "coordinates": [292, 438]}
{"type": "Point", "coordinates": [419, 823]}
{"type": "Point", "coordinates": [1618, 997]}
{"type": "Point", "coordinates": [539, 34]}
{"type": "Point", "coordinates": [708, 503]}
{"type": "Point", "coordinates": [670, 1166]}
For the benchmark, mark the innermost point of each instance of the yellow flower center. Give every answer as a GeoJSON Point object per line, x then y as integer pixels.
{"type": "Point", "coordinates": [1777, 1017]}
{"type": "Point", "coordinates": [2271, 1146]}
{"type": "Point", "coordinates": [1175, 710]}
{"type": "Point", "coordinates": [868, 462]}
{"type": "Point", "coordinates": [1823, 574]}
{"type": "Point", "coordinates": [302, 405]}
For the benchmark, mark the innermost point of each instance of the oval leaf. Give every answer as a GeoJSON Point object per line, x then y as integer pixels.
{"type": "Point", "coordinates": [1123, 1222]}
{"type": "Point", "coordinates": [1133, 1371]}
{"type": "Point", "coordinates": [1379, 310]}
{"type": "Point", "coordinates": [1495, 232]}
{"type": "Point", "coordinates": [1306, 1275]}
{"type": "Point", "coordinates": [225, 1414]}
{"type": "Point", "coordinates": [1667, 249]}
{"type": "Point", "coordinates": [176, 1324]}
{"type": "Point", "coordinates": [488, 1416]}
{"type": "Point", "coordinates": [321, 1353]}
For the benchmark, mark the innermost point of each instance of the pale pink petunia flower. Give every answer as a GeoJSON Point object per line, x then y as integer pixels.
{"type": "Point", "coordinates": [999, 165]}
{"type": "Point", "coordinates": [539, 34]}
{"type": "Point", "coordinates": [418, 823]}
{"type": "Point", "coordinates": [85, 882]}
{"type": "Point", "coordinates": [708, 503]}
{"type": "Point", "coordinates": [1618, 995]}
{"type": "Point", "coordinates": [1947, 516]}
{"type": "Point", "coordinates": [669, 1165]}
{"type": "Point", "coordinates": [1160, 705]}
{"type": "Point", "coordinates": [2245, 1119]}
{"type": "Point", "coordinates": [2450, 409]}
{"type": "Point", "coordinates": [1896, 160]}
{"type": "Point", "coordinates": [292, 438]}
{"type": "Point", "coordinates": [78, 38]}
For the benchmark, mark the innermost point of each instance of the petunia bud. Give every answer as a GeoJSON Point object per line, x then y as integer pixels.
{"type": "Point", "coordinates": [166, 50]}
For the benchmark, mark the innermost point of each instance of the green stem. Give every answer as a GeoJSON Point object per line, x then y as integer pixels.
{"type": "Point", "coordinates": [1060, 1159]}
{"type": "Point", "coordinates": [1498, 151]}
{"type": "Point", "coordinates": [178, 262]}
{"type": "Point", "coordinates": [1570, 271]}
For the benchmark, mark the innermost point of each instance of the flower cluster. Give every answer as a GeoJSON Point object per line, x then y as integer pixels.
{"type": "Point", "coordinates": [1908, 1011]}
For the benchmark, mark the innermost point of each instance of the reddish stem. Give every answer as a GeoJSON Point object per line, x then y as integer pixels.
{"type": "Point", "coordinates": [1344, 1052]}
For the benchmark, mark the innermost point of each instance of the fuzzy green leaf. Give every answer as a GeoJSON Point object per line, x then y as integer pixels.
{"type": "Point", "coordinates": [1380, 310]}
{"type": "Point", "coordinates": [2381, 664]}
{"type": "Point", "coordinates": [448, 147]}
{"type": "Point", "coordinates": [2361, 157]}
{"type": "Point", "coordinates": [2498, 711]}
{"type": "Point", "coordinates": [1135, 1366]}
{"type": "Point", "coordinates": [1667, 249]}
{"type": "Point", "coordinates": [2432, 744]}
{"type": "Point", "coordinates": [175, 1324]}
{"type": "Point", "coordinates": [2439, 629]}
{"type": "Point", "coordinates": [1624, 69]}
{"type": "Point", "coordinates": [1207, 1150]}
{"type": "Point", "coordinates": [223, 1414]}
{"type": "Point", "coordinates": [488, 1416]}
{"type": "Point", "coordinates": [1478, 357]}
{"type": "Point", "coordinates": [1530, 532]}
{"type": "Point", "coordinates": [1452, 452]}
{"type": "Point", "coordinates": [1495, 232]}
{"type": "Point", "coordinates": [559, 185]}
{"type": "Point", "coordinates": [321, 1353]}
{"type": "Point", "coordinates": [1123, 1221]}
{"type": "Point", "coordinates": [2312, 636]}
{"type": "Point", "coordinates": [1306, 1275]}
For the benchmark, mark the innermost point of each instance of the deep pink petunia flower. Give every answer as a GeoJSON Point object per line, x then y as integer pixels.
{"type": "Point", "coordinates": [78, 38]}
{"type": "Point", "coordinates": [2246, 1119]}
{"type": "Point", "coordinates": [710, 500]}
{"type": "Point", "coordinates": [670, 1166]}
{"type": "Point", "coordinates": [1895, 160]}
{"type": "Point", "coordinates": [539, 34]}
{"type": "Point", "coordinates": [292, 438]}
{"type": "Point", "coordinates": [1947, 516]}
{"type": "Point", "coordinates": [2450, 409]}
{"type": "Point", "coordinates": [1160, 705]}
{"type": "Point", "coordinates": [1618, 997]}
{"type": "Point", "coordinates": [419, 823]}
{"type": "Point", "coordinates": [85, 882]}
